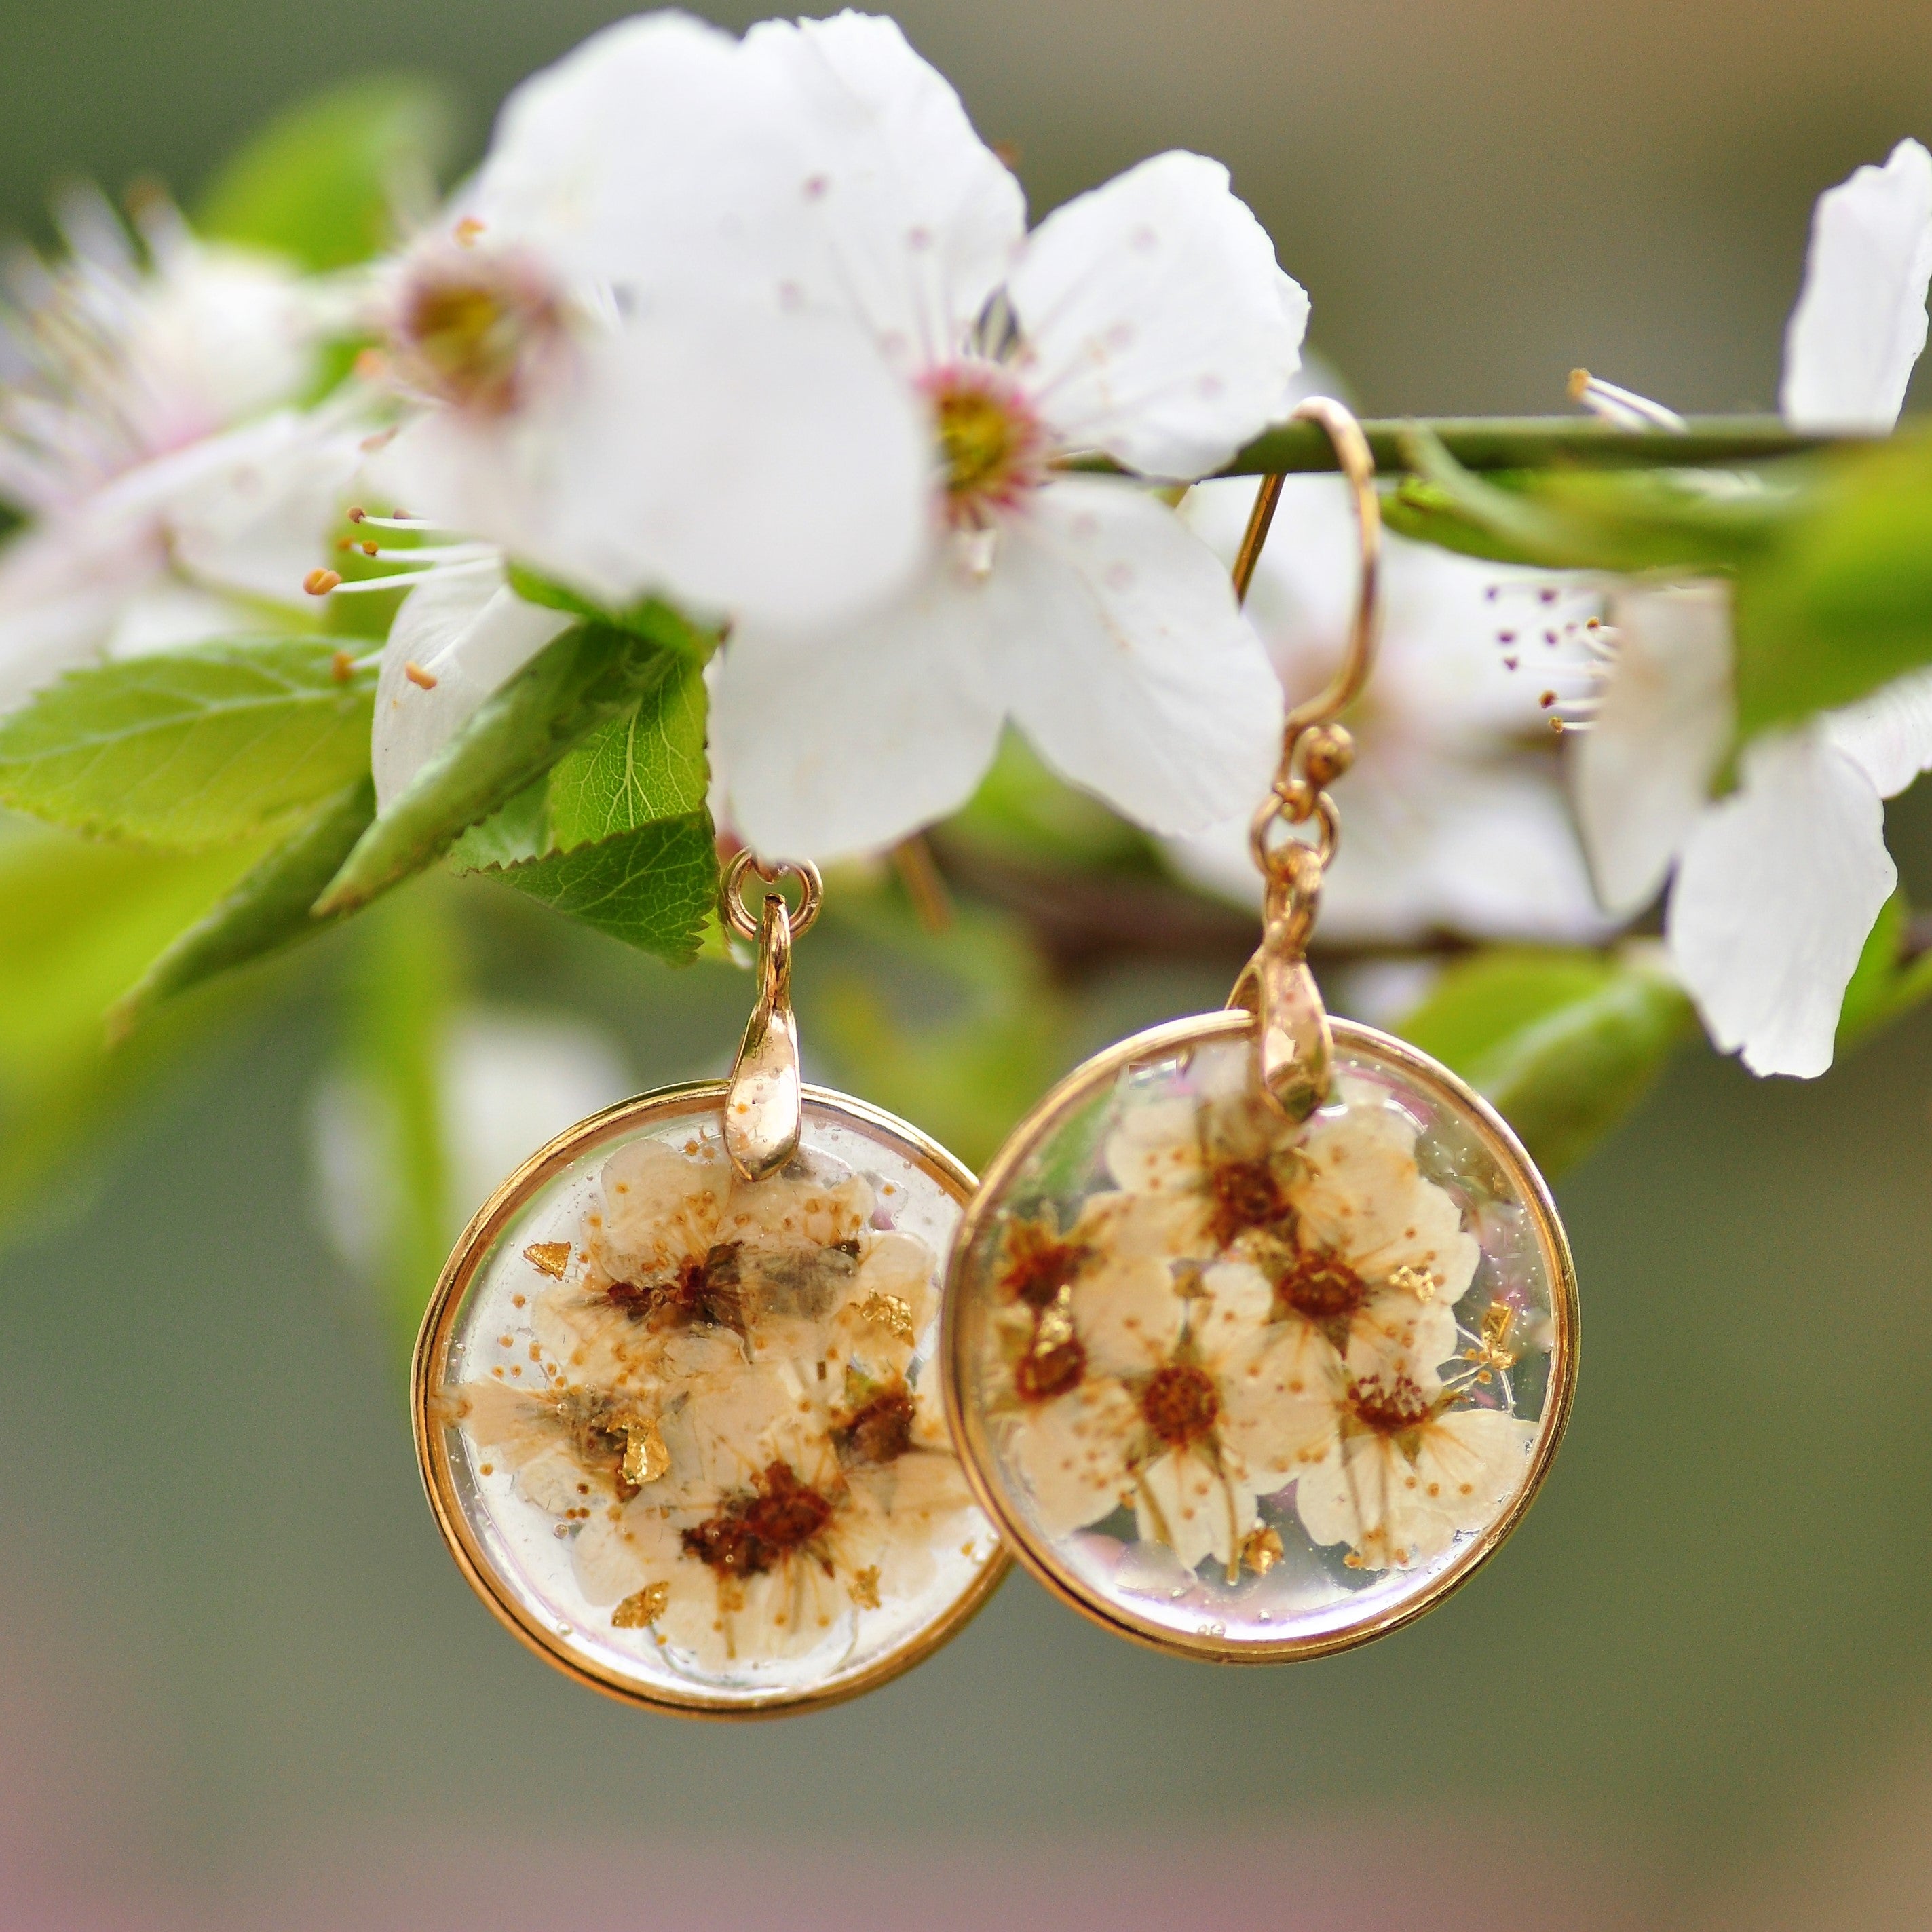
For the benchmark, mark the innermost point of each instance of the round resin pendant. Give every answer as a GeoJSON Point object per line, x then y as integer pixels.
{"type": "Point", "coordinates": [683, 1431]}
{"type": "Point", "coordinates": [1250, 1389]}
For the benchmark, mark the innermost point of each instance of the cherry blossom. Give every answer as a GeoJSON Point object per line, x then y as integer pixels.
{"type": "Point", "coordinates": [1148, 322]}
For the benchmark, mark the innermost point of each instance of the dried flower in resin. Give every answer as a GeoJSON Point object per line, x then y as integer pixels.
{"type": "Point", "coordinates": [1152, 1387]}
{"type": "Point", "coordinates": [1409, 1461]}
{"type": "Point", "coordinates": [777, 1526]}
{"type": "Point", "coordinates": [1217, 1163]}
{"type": "Point", "coordinates": [727, 1412]}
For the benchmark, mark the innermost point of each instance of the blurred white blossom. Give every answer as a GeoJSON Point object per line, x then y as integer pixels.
{"type": "Point", "coordinates": [1453, 815]}
{"type": "Point", "coordinates": [1147, 320]}
{"type": "Point", "coordinates": [1778, 883]}
{"type": "Point", "coordinates": [147, 436]}
{"type": "Point", "coordinates": [603, 379]}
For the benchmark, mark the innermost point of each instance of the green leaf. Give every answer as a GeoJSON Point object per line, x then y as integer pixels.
{"type": "Point", "coordinates": [267, 911]}
{"type": "Point", "coordinates": [648, 765]}
{"type": "Point", "coordinates": [1581, 520]}
{"type": "Point", "coordinates": [1844, 604]}
{"type": "Point", "coordinates": [1887, 980]}
{"type": "Point", "coordinates": [662, 623]}
{"type": "Point", "coordinates": [653, 887]}
{"type": "Point", "coordinates": [81, 920]}
{"type": "Point", "coordinates": [1563, 1043]}
{"type": "Point", "coordinates": [404, 986]}
{"type": "Point", "coordinates": [575, 684]}
{"type": "Point", "coordinates": [513, 833]}
{"type": "Point", "coordinates": [320, 183]}
{"type": "Point", "coordinates": [191, 747]}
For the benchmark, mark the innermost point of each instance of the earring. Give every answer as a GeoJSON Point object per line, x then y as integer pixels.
{"type": "Point", "coordinates": [1261, 1332]}
{"type": "Point", "coordinates": [673, 1397]}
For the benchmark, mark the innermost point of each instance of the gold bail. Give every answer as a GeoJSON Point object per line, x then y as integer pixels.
{"type": "Point", "coordinates": [763, 1103]}
{"type": "Point", "coordinates": [1294, 1048]}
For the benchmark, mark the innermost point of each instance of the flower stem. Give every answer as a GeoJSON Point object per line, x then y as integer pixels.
{"type": "Point", "coordinates": [1529, 443]}
{"type": "Point", "coordinates": [1538, 442]}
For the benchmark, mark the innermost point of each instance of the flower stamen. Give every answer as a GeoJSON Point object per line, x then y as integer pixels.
{"type": "Point", "coordinates": [992, 445]}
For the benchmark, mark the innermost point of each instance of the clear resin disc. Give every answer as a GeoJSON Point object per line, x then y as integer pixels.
{"type": "Point", "coordinates": [683, 1432]}
{"type": "Point", "coordinates": [1249, 1389]}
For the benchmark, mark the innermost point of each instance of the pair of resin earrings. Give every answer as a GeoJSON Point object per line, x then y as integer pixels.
{"type": "Point", "coordinates": [1257, 1337]}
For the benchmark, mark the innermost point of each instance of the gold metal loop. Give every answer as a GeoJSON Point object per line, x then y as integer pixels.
{"type": "Point", "coordinates": [763, 1103]}
{"type": "Point", "coordinates": [1293, 1045]}
{"type": "Point", "coordinates": [1357, 464]}
{"type": "Point", "coordinates": [731, 893]}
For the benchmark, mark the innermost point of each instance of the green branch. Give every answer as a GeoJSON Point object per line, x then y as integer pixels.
{"type": "Point", "coordinates": [1536, 442]}
{"type": "Point", "coordinates": [1529, 443]}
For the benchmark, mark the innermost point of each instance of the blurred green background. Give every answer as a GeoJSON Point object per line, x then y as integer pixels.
{"type": "Point", "coordinates": [240, 1681]}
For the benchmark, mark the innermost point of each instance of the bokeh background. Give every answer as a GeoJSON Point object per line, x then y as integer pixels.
{"type": "Point", "coordinates": [241, 1684]}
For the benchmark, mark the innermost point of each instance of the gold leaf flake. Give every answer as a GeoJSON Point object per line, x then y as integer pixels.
{"type": "Point", "coordinates": [1418, 1281]}
{"type": "Point", "coordinates": [641, 1607]}
{"type": "Point", "coordinates": [1054, 1327]}
{"type": "Point", "coordinates": [1498, 1319]}
{"type": "Point", "coordinates": [552, 1258]}
{"type": "Point", "coordinates": [1260, 1550]}
{"type": "Point", "coordinates": [646, 1458]}
{"type": "Point", "coordinates": [890, 1312]}
{"type": "Point", "coordinates": [864, 1588]}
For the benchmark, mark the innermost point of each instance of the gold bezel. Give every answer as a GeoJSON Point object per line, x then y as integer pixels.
{"type": "Point", "coordinates": [975, 1451]}
{"type": "Point", "coordinates": [427, 1365]}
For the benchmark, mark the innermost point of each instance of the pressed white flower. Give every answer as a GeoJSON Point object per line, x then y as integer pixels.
{"type": "Point", "coordinates": [737, 1569]}
{"type": "Point", "coordinates": [729, 1410]}
{"type": "Point", "coordinates": [1777, 884]}
{"type": "Point", "coordinates": [1369, 1246]}
{"type": "Point", "coordinates": [605, 385]}
{"type": "Point", "coordinates": [143, 436]}
{"type": "Point", "coordinates": [1148, 321]}
{"type": "Point", "coordinates": [1454, 817]}
{"type": "Point", "coordinates": [1410, 1461]}
{"type": "Point", "coordinates": [1139, 1383]}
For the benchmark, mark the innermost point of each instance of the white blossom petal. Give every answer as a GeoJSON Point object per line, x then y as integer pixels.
{"type": "Point", "coordinates": [466, 634]}
{"type": "Point", "coordinates": [220, 335]}
{"type": "Point", "coordinates": [640, 140]}
{"type": "Point", "coordinates": [906, 218]}
{"type": "Point", "coordinates": [1155, 323]}
{"type": "Point", "coordinates": [1776, 891]}
{"type": "Point", "coordinates": [845, 742]}
{"type": "Point", "coordinates": [1126, 660]}
{"type": "Point", "coordinates": [1888, 735]}
{"type": "Point", "coordinates": [64, 586]}
{"type": "Point", "coordinates": [1643, 773]}
{"type": "Point", "coordinates": [256, 519]}
{"type": "Point", "coordinates": [765, 464]}
{"type": "Point", "coordinates": [1181, 1499]}
{"type": "Point", "coordinates": [1430, 844]}
{"type": "Point", "coordinates": [1860, 321]}
{"type": "Point", "coordinates": [170, 616]}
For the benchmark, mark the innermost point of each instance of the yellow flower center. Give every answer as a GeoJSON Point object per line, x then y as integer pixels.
{"type": "Point", "coordinates": [989, 442]}
{"type": "Point", "coordinates": [470, 327]}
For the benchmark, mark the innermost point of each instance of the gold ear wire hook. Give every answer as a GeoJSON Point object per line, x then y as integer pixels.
{"type": "Point", "coordinates": [1358, 467]}
{"type": "Point", "coordinates": [1293, 1046]}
